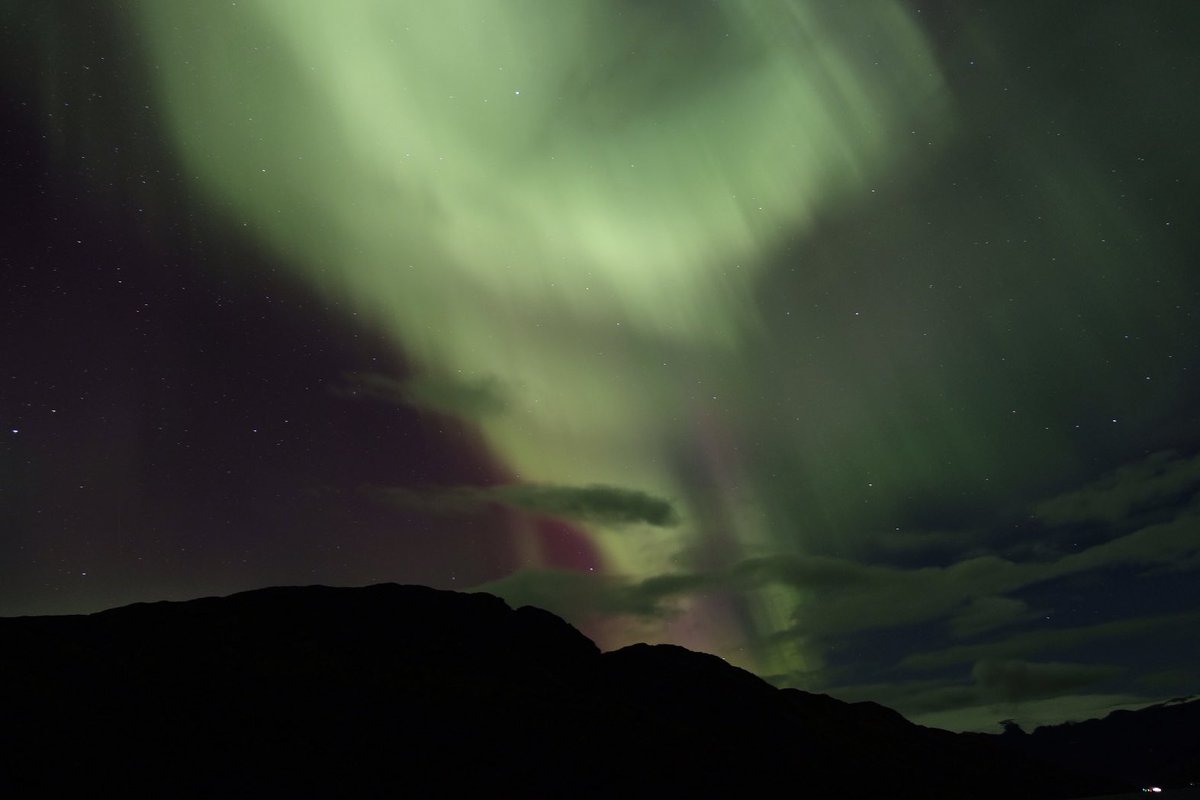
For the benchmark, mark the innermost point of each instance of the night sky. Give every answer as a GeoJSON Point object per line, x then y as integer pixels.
{"type": "Point", "coordinates": [856, 343]}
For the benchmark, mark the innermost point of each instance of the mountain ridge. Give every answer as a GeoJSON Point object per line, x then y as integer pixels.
{"type": "Point", "coordinates": [312, 691]}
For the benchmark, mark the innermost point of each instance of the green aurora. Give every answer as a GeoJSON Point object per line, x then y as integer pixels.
{"type": "Point", "coordinates": [581, 202]}
{"type": "Point", "coordinates": [576, 200]}
{"type": "Point", "coordinates": [818, 319]}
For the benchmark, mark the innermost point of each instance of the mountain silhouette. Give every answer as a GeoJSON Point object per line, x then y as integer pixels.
{"type": "Point", "coordinates": [364, 692]}
{"type": "Point", "coordinates": [1154, 746]}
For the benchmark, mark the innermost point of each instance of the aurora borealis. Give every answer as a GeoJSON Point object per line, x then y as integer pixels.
{"type": "Point", "coordinates": [857, 345]}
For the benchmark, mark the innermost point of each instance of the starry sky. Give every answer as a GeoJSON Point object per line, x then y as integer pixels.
{"type": "Point", "coordinates": [859, 345]}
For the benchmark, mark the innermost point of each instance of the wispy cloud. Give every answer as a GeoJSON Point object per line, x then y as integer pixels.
{"type": "Point", "coordinates": [1050, 640]}
{"type": "Point", "coordinates": [1161, 480]}
{"type": "Point", "coordinates": [982, 614]}
{"type": "Point", "coordinates": [1016, 681]}
{"type": "Point", "coordinates": [972, 596]}
{"type": "Point", "coordinates": [471, 398]}
{"type": "Point", "coordinates": [604, 505]}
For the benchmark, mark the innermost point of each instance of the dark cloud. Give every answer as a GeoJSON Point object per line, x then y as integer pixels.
{"type": "Point", "coordinates": [913, 547]}
{"type": "Point", "coordinates": [602, 505]}
{"type": "Point", "coordinates": [1176, 682]}
{"type": "Point", "coordinates": [1161, 481]}
{"type": "Point", "coordinates": [1021, 674]}
{"type": "Point", "coordinates": [846, 596]}
{"type": "Point", "coordinates": [841, 596]}
{"type": "Point", "coordinates": [465, 398]}
{"type": "Point", "coordinates": [1017, 681]}
{"type": "Point", "coordinates": [1051, 640]}
{"type": "Point", "coordinates": [607, 505]}
{"type": "Point", "coordinates": [982, 614]}
{"type": "Point", "coordinates": [653, 590]}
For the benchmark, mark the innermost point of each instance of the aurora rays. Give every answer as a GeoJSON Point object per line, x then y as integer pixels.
{"type": "Point", "coordinates": [855, 343]}
{"type": "Point", "coordinates": [575, 199]}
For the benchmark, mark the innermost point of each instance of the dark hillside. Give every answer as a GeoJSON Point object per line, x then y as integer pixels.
{"type": "Point", "coordinates": [361, 692]}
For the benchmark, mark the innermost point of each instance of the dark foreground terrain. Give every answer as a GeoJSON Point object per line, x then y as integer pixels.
{"type": "Point", "coordinates": [321, 692]}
